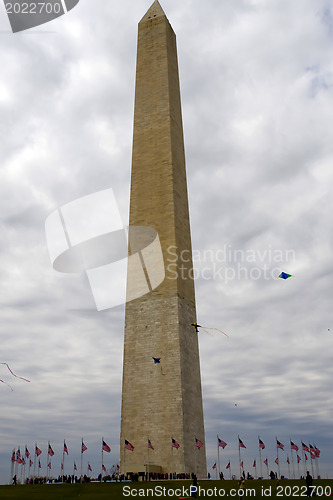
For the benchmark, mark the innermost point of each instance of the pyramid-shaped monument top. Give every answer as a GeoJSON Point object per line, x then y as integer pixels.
{"type": "Point", "coordinates": [155, 10]}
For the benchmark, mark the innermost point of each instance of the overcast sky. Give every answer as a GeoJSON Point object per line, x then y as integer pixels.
{"type": "Point", "coordinates": [257, 87]}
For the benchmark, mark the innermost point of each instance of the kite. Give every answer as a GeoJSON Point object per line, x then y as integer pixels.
{"type": "Point", "coordinates": [157, 361]}
{"type": "Point", "coordinates": [6, 364]}
{"type": "Point", "coordinates": [284, 276]}
{"type": "Point", "coordinates": [205, 328]}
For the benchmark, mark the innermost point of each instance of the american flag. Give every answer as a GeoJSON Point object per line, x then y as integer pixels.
{"type": "Point", "coordinates": [13, 457]}
{"type": "Point", "coordinates": [128, 445]}
{"type": "Point", "coordinates": [89, 467]}
{"type": "Point", "coordinates": [317, 452]}
{"type": "Point", "coordinates": [266, 462]}
{"type": "Point", "coordinates": [27, 452]}
{"type": "Point", "coordinates": [31, 462]}
{"type": "Point", "coordinates": [228, 466]}
{"type": "Point", "coordinates": [305, 447]}
{"type": "Point", "coordinates": [49, 465]}
{"type": "Point", "coordinates": [65, 448]}
{"type": "Point", "coordinates": [288, 461]}
{"type": "Point", "coordinates": [150, 445]}
{"type": "Point", "coordinates": [83, 447]}
{"type": "Point", "coordinates": [39, 465]}
{"type": "Point", "coordinates": [293, 446]}
{"type": "Point", "coordinates": [279, 445]}
{"type": "Point", "coordinates": [261, 444]}
{"type": "Point", "coordinates": [198, 443]}
{"type": "Point", "coordinates": [241, 444]}
{"type": "Point", "coordinates": [23, 461]}
{"type": "Point", "coordinates": [175, 444]}
{"type": "Point", "coordinates": [106, 447]}
{"type": "Point", "coordinates": [38, 451]}
{"type": "Point", "coordinates": [75, 468]}
{"type": "Point", "coordinates": [50, 452]}
{"type": "Point", "coordinates": [19, 460]}
{"type": "Point", "coordinates": [221, 443]}
{"type": "Point", "coordinates": [298, 459]}
{"type": "Point", "coordinates": [241, 464]}
{"type": "Point", "coordinates": [254, 463]}
{"type": "Point", "coordinates": [18, 453]}
{"type": "Point", "coordinates": [214, 466]}
{"type": "Point", "coordinates": [276, 461]}
{"type": "Point", "coordinates": [103, 468]}
{"type": "Point", "coordinates": [305, 456]}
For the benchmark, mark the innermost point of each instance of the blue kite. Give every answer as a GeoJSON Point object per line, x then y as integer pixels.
{"type": "Point", "coordinates": [284, 276]}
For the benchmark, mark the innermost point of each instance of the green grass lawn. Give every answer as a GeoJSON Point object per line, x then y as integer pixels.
{"type": "Point", "coordinates": [173, 489]}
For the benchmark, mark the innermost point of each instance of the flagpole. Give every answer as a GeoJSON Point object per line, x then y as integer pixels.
{"type": "Point", "coordinates": [47, 460]}
{"type": "Point", "coordinates": [195, 458]}
{"type": "Point", "coordinates": [255, 469]}
{"type": "Point", "coordinates": [16, 465]}
{"type": "Point", "coordinates": [218, 456]}
{"type": "Point", "coordinates": [171, 460]}
{"type": "Point", "coordinates": [81, 461]}
{"type": "Point", "coordinates": [311, 453]}
{"type": "Point", "coordinates": [147, 468]}
{"type": "Point", "coordinates": [25, 457]}
{"type": "Point", "coordinates": [102, 459]}
{"type": "Point", "coordinates": [292, 460]}
{"type": "Point", "coordinates": [239, 456]}
{"type": "Point", "coordinates": [277, 456]}
{"type": "Point", "coordinates": [299, 474]}
{"type": "Point", "coordinates": [63, 462]}
{"type": "Point", "coordinates": [230, 470]}
{"type": "Point", "coordinates": [260, 457]}
{"type": "Point", "coordinates": [303, 456]}
{"type": "Point", "coordinates": [24, 465]}
{"type": "Point", "coordinates": [124, 463]}
{"type": "Point", "coordinates": [316, 461]}
{"type": "Point", "coordinates": [304, 460]}
{"type": "Point", "coordinates": [12, 466]}
{"type": "Point", "coordinates": [311, 465]}
{"type": "Point", "coordinates": [35, 461]}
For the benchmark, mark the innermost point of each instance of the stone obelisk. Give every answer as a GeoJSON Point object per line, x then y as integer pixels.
{"type": "Point", "coordinates": [161, 401]}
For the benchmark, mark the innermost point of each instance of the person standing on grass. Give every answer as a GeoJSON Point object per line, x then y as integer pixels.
{"type": "Point", "coordinates": [309, 482]}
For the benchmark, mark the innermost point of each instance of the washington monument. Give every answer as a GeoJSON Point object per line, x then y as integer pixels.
{"type": "Point", "coordinates": [161, 398]}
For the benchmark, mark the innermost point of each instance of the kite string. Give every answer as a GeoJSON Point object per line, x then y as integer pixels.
{"type": "Point", "coordinates": [26, 380]}
{"type": "Point", "coordinates": [214, 329]}
{"type": "Point", "coordinates": [6, 384]}
{"type": "Point", "coordinates": [206, 331]}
